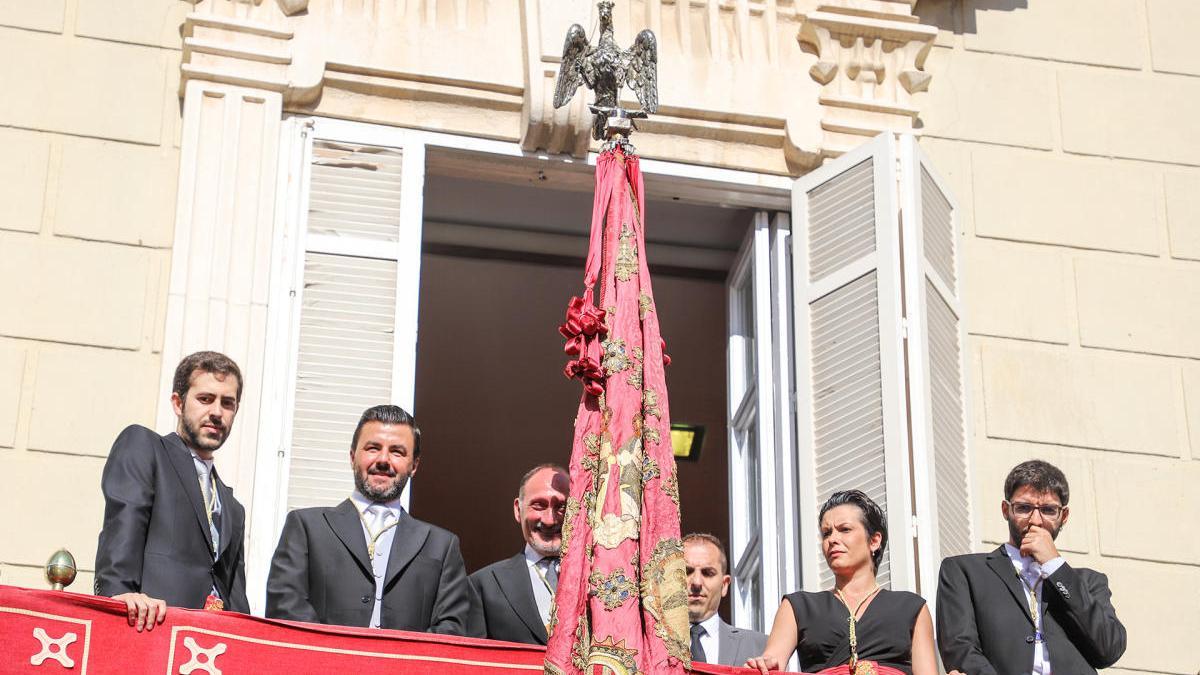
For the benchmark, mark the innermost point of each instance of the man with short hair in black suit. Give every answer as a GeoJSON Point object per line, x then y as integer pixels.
{"type": "Point", "coordinates": [1022, 608]}
{"type": "Point", "coordinates": [713, 640]}
{"type": "Point", "coordinates": [515, 594]}
{"type": "Point", "coordinates": [366, 562]}
{"type": "Point", "coordinates": [173, 531]}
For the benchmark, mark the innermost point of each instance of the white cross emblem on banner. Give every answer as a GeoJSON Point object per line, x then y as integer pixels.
{"type": "Point", "coordinates": [53, 648]}
{"type": "Point", "coordinates": [208, 664]}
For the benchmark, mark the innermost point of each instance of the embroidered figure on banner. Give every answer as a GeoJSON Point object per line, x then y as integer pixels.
{"type": "Point", "coordinates": [53, 648]}
{"type": "Point", "coordinates": [202, 659]}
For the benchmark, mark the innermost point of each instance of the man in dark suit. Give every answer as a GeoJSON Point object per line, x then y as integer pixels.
{"type": "Point", "coordinates": [366, 562]}
{"type": "Point", "coordinates": [713, 640]}
{"type": "Point", "coordinates": [515, 594]}
{"type": "Point", "coordinates": [172, 530]}
{"type": "Point", "coordinates": [1022, 608]}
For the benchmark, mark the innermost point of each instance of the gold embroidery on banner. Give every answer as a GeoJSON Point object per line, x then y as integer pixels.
{"type": "Point", "coordinates": [645, 305]}
{"type": "Point", "coordinates": [649, 470]}
{"type": "Point", "coordinates": [651, 435]}
{"type": "Point", "coordinates": [634, 379]}
{"type": "Point", "coordinates": [551, 669]}
{"type": "Point", "coordinates": [650, 403]}
{"type": "Point", "coordinates": [568, 525]}
{"type": "Point", "coordinates": [583, 641]}
{"type": "Point", "coordinates": [638, 354]}
{"type": "Point", "coordinates": [627, 261]}
{"type": "Point", "coordinates": [615, 359]}
{"type": "Point", "coordinates": [613, 657]}
{"type": "Point", "coordinates": [670, 486]}
{"type": "Point", "coordinates": [664, 595]}
{"type": "Point", "coordinates": [613, 590]}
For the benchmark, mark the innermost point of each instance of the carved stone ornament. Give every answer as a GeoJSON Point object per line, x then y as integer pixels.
{"type": "Point", "coordinates": [870, 61]}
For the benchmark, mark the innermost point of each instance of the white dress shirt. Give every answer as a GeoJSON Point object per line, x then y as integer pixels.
{"type": "Point", "coordinates": [708, 639]}
{"type": "Point", "coordinates": [375, 517]}
{"type": "Point", "coordinates": [541, 594]}
{"type": "Point", "coordinates": [1032, 574]}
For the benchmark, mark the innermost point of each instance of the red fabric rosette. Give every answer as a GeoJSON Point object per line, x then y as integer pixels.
{"type": "Point", "coordinates": [584, 321]}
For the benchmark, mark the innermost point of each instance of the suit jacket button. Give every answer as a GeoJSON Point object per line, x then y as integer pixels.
{"type": "Point", "coordinates": [1029, 639]}
{"type": "Point", "coordinates": [366, 599]}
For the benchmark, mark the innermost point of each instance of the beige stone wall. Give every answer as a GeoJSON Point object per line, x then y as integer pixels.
{"type": "Point", "coordinates": [1068, 130]}
{"type": "Point", "coordinates": [89, 119]}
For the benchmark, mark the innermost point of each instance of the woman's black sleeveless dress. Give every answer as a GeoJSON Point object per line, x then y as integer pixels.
{"type": "Point", "coordinates": [884, 631]}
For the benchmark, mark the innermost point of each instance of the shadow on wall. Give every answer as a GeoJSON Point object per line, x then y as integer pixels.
{"type": "Point", "coordinates": [959, 16]}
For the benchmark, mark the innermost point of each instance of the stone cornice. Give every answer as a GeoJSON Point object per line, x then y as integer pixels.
{"type": "Point", "coordinates": [730, 99]}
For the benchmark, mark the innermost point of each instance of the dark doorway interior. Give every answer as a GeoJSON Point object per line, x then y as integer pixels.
{"type": "Point", "coordinates": [490, 395]}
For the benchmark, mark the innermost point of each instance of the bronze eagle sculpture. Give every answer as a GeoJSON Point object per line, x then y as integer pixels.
{"type": "Point", "coordinates": [605, 68]}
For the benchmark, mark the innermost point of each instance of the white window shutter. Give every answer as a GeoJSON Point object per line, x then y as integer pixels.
{"type": "Point", "coordinates": [355, 333]}
{"type": "Point", "coordinates": [933, 289]}
{"type": "Point", "coordinates": [344, 366]}
{"type": "Point", "coordinates": [850, 384]}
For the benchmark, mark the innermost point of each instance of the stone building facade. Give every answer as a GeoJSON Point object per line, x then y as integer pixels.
{"type": "Point", "coordinates": [143, 188]}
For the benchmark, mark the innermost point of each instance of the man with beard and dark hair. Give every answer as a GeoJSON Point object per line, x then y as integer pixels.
{"type": "Point", "coordinates": [1022, 608]}
{"type": "Point", "coordinates": [515, 594]}
{"type": "Point", "coordinates": [173, 531]}
{"type": "Point", "coordinates": [366, 562]}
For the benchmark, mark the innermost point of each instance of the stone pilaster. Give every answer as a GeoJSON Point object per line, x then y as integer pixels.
{"type": "Point", "coordinates": [235, 76]}
{"type": "Point", "coordinates": [870, 60]}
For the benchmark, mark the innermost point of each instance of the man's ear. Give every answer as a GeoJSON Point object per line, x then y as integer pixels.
{"type": "Point", "coordinates": [725, 585]}
{"type": "Point", "coordinates": [1066, 511]}
{"type": "Point", "coordinates": [416, 463]}
{"type": "Point", "coordinates": [177, 404]}
{"type": "Point", "coordinates": [517, 509]}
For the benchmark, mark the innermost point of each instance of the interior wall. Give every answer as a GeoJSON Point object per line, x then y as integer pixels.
{"type": "Point", "coordinates": [492, 402]}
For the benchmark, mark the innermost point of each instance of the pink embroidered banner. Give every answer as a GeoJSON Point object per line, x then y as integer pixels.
{"type": "Point", "coordinates": [621, 605]}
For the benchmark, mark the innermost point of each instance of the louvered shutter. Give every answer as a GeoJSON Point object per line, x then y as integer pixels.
{"type": "Point", "coordinates": [849, 370]}
{"type": "Point", "coordinates": [933, 264]}
{"type": "Point", "coordinates": [356, 328]}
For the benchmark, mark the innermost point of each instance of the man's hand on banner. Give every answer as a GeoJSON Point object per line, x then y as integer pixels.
{"type": "Point", "coordinates": [144, 611]}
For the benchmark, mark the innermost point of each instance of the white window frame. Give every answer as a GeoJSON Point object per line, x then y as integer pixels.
{"type": "Point", "coordinates": [268, 504]}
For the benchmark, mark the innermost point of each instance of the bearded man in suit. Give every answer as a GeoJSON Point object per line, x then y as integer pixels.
{"type": "Point", "coordinates": [713, 640]}
{"type": "Point", "coordinates": [366, 562]}
{"type": "Point", "coordinates": [1023, 608]}
{"type": "Point", "coordinates": [515, 594]}
{"type": "Point", "coordinates": [173, 531]}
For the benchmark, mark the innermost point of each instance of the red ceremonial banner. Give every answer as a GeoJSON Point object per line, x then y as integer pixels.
{"type": "Point", "coordinates": [44, 632]}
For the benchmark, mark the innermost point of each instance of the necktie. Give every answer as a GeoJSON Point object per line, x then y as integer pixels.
{"type": "Point", "coordinates": [698, 648]}
{"type": "Point", "coordinates": [210, 501]}
{"type": "Point", "coordinates": [550, 565]}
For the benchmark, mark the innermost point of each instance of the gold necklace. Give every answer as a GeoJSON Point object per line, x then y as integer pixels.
{"type": "Point", "coordinates": [855, 669]}
{"type": "Point", "coordinates": [374, 535]}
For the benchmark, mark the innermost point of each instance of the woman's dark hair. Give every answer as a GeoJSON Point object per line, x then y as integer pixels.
{"type": "Point", "coordinates": [873, 518]}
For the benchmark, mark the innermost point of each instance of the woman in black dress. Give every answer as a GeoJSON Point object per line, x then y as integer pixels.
{"type": "Point", "coordinates": [855, 628]}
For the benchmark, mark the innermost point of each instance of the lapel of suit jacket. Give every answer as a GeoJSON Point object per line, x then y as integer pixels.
{"type": "Point", "coordinates": [406, 543]}
{"type": "Point", "coordinates": [1002, 565]}
{"type": "Point", "coordinates": [185, 468]}
{"type": "Point", "coordinates": [343, 519]}
{"type": "Point", "coordinates": [514, 582]}
{"type": "Point", "coordinates": [725, 642]}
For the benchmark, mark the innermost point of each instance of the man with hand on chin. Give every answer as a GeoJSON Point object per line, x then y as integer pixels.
{"type": "Point", "coordinates": [366, 562]}
{"type": "Point", "coordinates": [515, 594]}
{"type": "Point", "coordinates": [1022, 608]}
{"type": "Point", "coordinates": [172, 530]}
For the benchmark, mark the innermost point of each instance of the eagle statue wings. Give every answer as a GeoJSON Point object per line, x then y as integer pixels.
{"type": "Point", "coordinates": [606, 68]}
